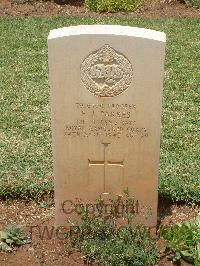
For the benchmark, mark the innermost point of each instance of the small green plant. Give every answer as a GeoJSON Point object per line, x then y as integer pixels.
{"type": "Point", "coordinates": [101, 240]}
{"type": "Point", "coordinates": [193, 3]}
{"type": "Point", "coordinates": [113, 5]}
{"type": "Point", "coordinates": [183, 241]}
{"type": "Point", "coordinates": [12, 236]}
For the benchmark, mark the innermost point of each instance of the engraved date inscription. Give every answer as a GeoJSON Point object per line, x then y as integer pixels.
{"type": "Point", "coordinates": [106, 120]}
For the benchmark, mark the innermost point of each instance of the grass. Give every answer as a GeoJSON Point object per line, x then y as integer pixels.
{"type": "Point", "coordinates": [113, 5]}
{"type": "Point", "coordinates": [183, 241]}
{"type": "Point", "coordinates": [25, 137]}
{"type": "Point", "coordinates": [193, 3]}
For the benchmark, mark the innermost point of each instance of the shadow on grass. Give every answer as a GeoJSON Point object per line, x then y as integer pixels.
{"type": "Point", "coordinates": [70, 2]}
{"type": "Point", "coordinates": [164, 208]}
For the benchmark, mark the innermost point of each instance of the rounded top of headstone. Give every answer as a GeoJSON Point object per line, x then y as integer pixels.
{"type": "Point", "coordinates": [107, 30]}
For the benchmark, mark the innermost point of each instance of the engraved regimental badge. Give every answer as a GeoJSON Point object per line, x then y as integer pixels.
{"type": "Point", "coordinates": [106, 72]}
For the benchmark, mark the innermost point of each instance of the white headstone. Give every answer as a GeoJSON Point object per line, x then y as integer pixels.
{"type": "Point", "coordinates": [106, 99]}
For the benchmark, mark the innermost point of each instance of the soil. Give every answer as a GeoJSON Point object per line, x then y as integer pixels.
{"type": "Point", "coordinates": [47, 251]}
{"type": "Point", "coordinates": [152, 8]}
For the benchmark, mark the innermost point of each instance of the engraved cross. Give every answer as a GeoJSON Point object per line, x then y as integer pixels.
{"type": "Point", "coordinates": [105, 162]}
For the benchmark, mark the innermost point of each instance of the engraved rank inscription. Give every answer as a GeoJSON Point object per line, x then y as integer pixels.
{"type": "Point", "coordinates": [106, 72]}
